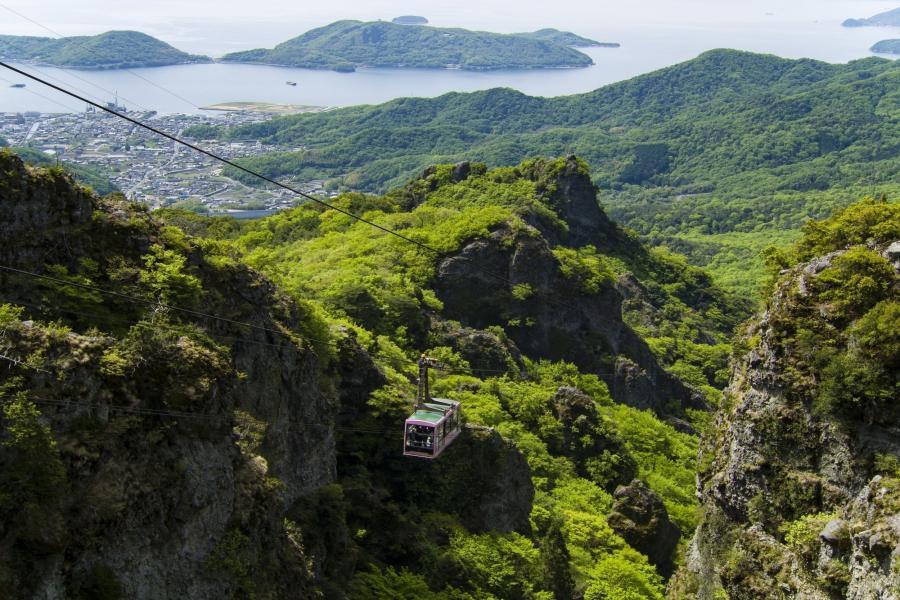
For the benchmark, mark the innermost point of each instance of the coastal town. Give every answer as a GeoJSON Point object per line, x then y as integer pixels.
{"type": "Point", "coordinates": [151, 169]}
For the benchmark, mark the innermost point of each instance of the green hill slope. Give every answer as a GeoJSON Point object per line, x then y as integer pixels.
{"type": "Point", "coordinates": [260, 446]}
{"type": "Point", "coordinates": [110, 50]}
{"type": "Point", "coordinates": [345, 45]}
{"type": "Point", "coordinates": [763, 142]}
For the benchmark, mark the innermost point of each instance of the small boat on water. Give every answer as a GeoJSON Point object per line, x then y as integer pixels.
{"type": "Point", "coordinates": [17, 85]}
{"type": "Point", "coordinates": [291, 83]}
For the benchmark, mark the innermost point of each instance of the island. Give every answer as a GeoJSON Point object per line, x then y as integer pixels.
{"type": "Point", "coordinates": [566, 38]}
{"type": "Point", "coordinates": [887, 47]}
{"type": "Point", "coordinates": [110, 50]}
{"type": "Point", "coordinates": [410, 20]}
{"type": "Point", "coordinates": [889, 18]}
{"type": "Point", "coordinates": [347, 45]}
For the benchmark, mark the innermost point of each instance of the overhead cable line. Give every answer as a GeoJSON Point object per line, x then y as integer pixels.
{"type": "Point", "coordinates": [222, 159]}
{"type": "Point", "coordinates": [146, 325]}
{"type": "Point", "coordinates": [82, 90]}
{"type": "Point", "coordinates": [251, 172]}
{"type": "Point", "coordinates": [140, 300]}
{"type": "Point", "coordinates": [40, 95]}
{"type": "Point", "coordinates": [231, 163]}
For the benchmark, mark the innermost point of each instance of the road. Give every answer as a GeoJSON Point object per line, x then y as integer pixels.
{"type": "Point", "coordinates": [160, 171]}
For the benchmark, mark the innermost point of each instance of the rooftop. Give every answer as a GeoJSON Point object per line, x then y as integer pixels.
{"type": "Point", "coordinates": [428, 416]}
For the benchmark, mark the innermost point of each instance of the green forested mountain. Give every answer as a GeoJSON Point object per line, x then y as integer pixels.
{"type": "Point", "coordinates": [110, 50]}
{"type": "Point", "coordinates": [259, 445]}
{"type": "Point", "coordinates": [718, 155]}
{"type": "Point", "coordinates": [345, 45]}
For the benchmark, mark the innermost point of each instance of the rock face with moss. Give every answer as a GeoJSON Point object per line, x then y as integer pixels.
{"type": "Point", "coordinates": [515, 278]}
{"type": "Point", "coordinates": [801, 484]}
{"type": "Point", "coordinates": [149, 451]}
{"type": "Point", "coordinates": [640, 517]}
{"type": "Point", "coordinates": [175, 449]}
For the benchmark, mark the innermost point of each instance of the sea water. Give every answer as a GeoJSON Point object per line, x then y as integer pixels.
{"type": "Point", "coordinates": [660, 39]}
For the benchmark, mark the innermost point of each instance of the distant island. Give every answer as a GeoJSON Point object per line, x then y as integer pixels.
{"type": "Point", "coordinates": [346, 45]}
{"type": "Point", "coordinates": [566, 38]}
{"type": "Point", "coordinates": [887, 47]}
{"type": "Point", "coordinates": [890, 18]}
{"type": "Point", "coordinates": [410, 20]}
{"type": "Point", "coordinates": [110, 50]}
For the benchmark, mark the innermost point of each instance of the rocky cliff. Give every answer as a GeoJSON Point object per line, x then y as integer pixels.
{"type": "Point", "coordinates": [800, 483]}
{"type": "Point", "coordinates": [151, 450]}
{"type": "Point", "coordinates": [182, 437]}
{"type": "Point", "coordinates": [514, 279]}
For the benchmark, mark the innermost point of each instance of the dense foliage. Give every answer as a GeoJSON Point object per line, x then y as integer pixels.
{"type": "Point", "coordinates": [843, 324]}
{"type": "Point", "coordinates": [110, 50]}
{"type": "Point", "coordinates": [345, 45]}
{"type": "Point", "coordinates": [387, 527]}
{"type": "Point", "coordinates": [381, 287]}
{"type": "Point", "coordinates": [710, 156]}
{"type": "Point", "coordinates": [377, 281]}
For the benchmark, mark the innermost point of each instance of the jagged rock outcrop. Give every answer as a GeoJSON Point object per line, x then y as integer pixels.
{"type": "Point", "coordinates": [556, 320]}
{"type": "Point", "coordinates": [794, 505]}
{"type": "Point", "coordinates": [359, 376]}
{"type": "Point", "coordinates": [488, 353]}
{"type": "Point", "coordinates": [573, 197]}
{"type": "Point", "coordinates": [511, 278]}
{"type": "Point", "coordinates": [640, 517]}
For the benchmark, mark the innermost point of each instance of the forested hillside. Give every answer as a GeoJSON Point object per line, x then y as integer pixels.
{"type": "Point", "coordinates": [241, 388]}
{"type": "Point", "coordinates": [716, 156]}
{"type": "Point", "coordinates": [345, 45]}
{"type": "Point", "coordinates": [110, 50]}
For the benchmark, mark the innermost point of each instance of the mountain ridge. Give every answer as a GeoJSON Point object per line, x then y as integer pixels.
{"type": "Point", "coordinates": [887, 47]}
{"type": "Point", "coordinates": [704, 143]}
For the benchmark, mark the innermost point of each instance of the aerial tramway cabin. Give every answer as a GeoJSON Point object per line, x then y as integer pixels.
{"type": "Point", "coordinates": [435, 422]}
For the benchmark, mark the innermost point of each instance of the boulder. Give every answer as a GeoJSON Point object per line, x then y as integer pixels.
{"type": "Point", "coordinates": [598, 452]}
{"type": "Point", "coordinates": [640, 517]}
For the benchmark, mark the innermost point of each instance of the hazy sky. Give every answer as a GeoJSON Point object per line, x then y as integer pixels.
{"type": "Point", "coordinates": [212, 25]}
